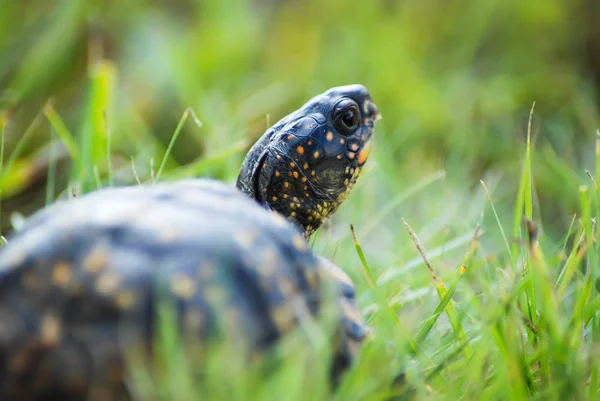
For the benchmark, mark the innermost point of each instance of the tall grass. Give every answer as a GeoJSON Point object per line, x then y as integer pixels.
{"type": "Point", "coordinates": [473, 239]}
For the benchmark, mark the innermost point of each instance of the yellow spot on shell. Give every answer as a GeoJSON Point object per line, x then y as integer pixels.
{"type": "Point", "coordinates": [183, 286]}
{"type": "Point", "coordinates": [125, 299]}
{"type": "Point", "coordinates": [274, 198]}
{"type": "Point", "coordinates": [339, 157]}
{"type": "Point", "coordinates": [286, 184]}
{"type": "Point", "coordinates": [299, 242]}
{"type": "Point", "coordinates": [316, 155]}
{"type": "Point", "coordinates": [310, 142]}
{"type": "Point", "coordinates": [277, 174]}
{"type": "Point", "coordinates": [311, 278]}
{"type": "Point", "coordinates": [96, 260]}
{"type": "Point", "coordinates": [283, 318]}
{"type": "Point", "coordinates": [292, 164]}
{"type": "Point", "coordinates": [305, 166]}
{"type": "Point", "coordinates": [61, 275]}
{"type": "Point", "coordinates": [300, 150]}
{"type": "Point", "coordinates": [362, 156]}
{"type": "Point", "coordinates": [50, 330]}
{"type": "Point", "coordinates": [285, 286]}
{"type": "Point", "coordinates": [285, 196]}
{"type": "Point", "coordinates": [246, 237]}
{"type": "Point", "coordinates": [269, 257]}
{"type": "Point", "coordinates": [342, 141]}
{"type": "Point", "coordinates": [303, 179]}
{"type": "Point", "coordinates": [329, 136]}
{"type": "Point", "coordinates": [107, 283]}
{"type": "Point", "coordinates": [295, 174]}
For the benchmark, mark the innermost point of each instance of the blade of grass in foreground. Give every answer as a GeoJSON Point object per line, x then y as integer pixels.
{"type": "Point", "coordinates": [372, 283]}
{"type": "Point", "coordinates": [3, 121]}
{"type": "Point", "coordinates": [442, 292]}
{"type": "Point", "coordinates": [51, 184]}
{"type": "Point", "coordinates": [63, 132]}
{"type": "Point", "coordinates": [524, 208]}
{"type": "Point", "coordinates": [429, 322]}
{"type": "Point", "coordinates": [20, 145]}
{"type": "Point", "coordinates": [100, 100]}
{"type": "Point", "coordinates": [182, 121]}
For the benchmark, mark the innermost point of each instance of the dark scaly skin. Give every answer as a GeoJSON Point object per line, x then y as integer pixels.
{"type": "Point", "coordinates": [305, 165]}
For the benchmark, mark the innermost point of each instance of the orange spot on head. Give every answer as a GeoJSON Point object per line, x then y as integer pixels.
{"type": "Point", "coordinates": [351, 155]}
{"type": "Point", "coordinates": [362, 156]}
{"type": "Point", "coordinates": [354, 147]}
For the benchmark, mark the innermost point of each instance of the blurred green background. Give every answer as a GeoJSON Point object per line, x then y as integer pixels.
{"type": "Point", "coordinates": [454, 80]}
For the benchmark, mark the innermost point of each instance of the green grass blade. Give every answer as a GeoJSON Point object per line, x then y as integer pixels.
{"type": "Point", "coordinates": [442, 291]}
{"type": "Point", "coordinates": [51, 182]}
{"type": "Point", "coordinates": [63, 132]}
{"type": "Point", "coordinates": [93, 140]}
{"type": "Point", "coordinates": [182, 121]}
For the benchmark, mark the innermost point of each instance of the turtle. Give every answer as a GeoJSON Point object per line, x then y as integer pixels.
{"type": "Point", "coordinates": [80, 281]}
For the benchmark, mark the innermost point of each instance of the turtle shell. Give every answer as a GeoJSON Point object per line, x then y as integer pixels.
{"type": "Point", "coordinates": [81, 281]}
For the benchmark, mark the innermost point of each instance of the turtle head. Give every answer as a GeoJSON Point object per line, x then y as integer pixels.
{"type": "Point", "coordinates": [305, 165]}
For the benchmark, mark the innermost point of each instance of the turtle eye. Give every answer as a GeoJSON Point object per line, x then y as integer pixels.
{"type": "Point", "coordinates": [347, 117]}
